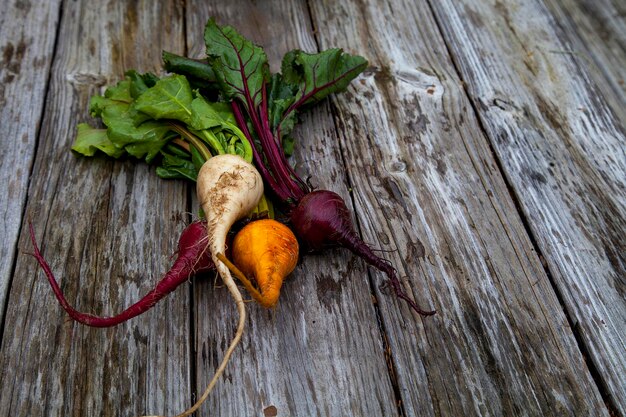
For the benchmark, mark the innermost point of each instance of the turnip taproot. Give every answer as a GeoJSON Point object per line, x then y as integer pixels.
{"type": "Point", "coordinates": [228, 189]}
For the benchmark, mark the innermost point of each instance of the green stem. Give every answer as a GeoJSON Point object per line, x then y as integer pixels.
{"type": "Point", "coordinates": [187, 66]}
{"type": "Point", "coordinates": [213, 141]}
{"type": "Point", "coordinates": [247, 147]}
{"type": "Point", "coordinates": [192, 139]}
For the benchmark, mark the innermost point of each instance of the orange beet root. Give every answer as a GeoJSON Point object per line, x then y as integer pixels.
{"type": "Point", "coordinates": [266, 251]}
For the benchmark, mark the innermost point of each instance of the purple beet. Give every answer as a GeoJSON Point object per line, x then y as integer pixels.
{"type": "Point", "coordinates": [192, 258]}
{"type": "Point", "coordinates": [321, 219]}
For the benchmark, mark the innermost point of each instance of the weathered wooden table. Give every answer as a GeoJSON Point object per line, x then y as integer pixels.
{"type": "Point", "coordinates": [483, 150]}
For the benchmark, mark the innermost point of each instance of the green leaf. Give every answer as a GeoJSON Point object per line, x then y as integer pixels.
{"type": "Point", "coordinates": [174, 173]}
{"type": "Point", "coordinates": [116, 100]}
{"type": "Point", "coordinates": [196, 159]}
{"type": "Point", "coordinates": [240, 67]}
{"type": "Point", "coordinates": [197, 71]}
{"type": "Point", "coordinates": [119, 92]}
{"type": "Point", "coordinates": [139, 83]}
{"type": "Point", "coordinates": [151, 138]}
{"type": "Point", "coordinates": [290, 73]}
{"type": "Point", "coordinates": [143, 114]}
{"type": "Point", "coordinates": [145, 140]}
{"type": "Point", "coordinates": [176, 167]}
{"type": "Point", "coordinates": [288, 142]}
{"type": "Point", "coordinates": [169, 98]}
{"type": "Point", "coordinates": [321, 74]}
{"type": "Point", "coordinates": [190, 67]}
{"type": "Point", "coordinates": [130, 130]}
{"type": "Point", "coordinates": [281, 95]}
{"type": "Point", "coordinates": [206, 115]}
{"type": "Point", "coordinates": [98, 104]}
{"type": "Point", "coordinates": [307, 79]}
{"type": "Point", "coordinates": [89, 140]}
{"type": "Point", "coordinates": [115, 112]}
{"type": "Point", "coordinates": [175, 150]}
{"type": "Point", "coordinates": [216, 125]}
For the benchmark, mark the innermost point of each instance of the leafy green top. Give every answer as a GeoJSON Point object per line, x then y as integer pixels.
{"type": "Point", "coordinates": [271, 102]}
{"type": "Point", "coordinates": [241, 68]}
{"type": "Point", "coordinates": [144, 115]}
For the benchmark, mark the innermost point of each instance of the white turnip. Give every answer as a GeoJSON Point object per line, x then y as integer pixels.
{"type": "Point", "coordinates": [228, 189]}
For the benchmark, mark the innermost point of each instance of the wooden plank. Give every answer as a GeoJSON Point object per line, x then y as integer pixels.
{"type": "Point", "coordinates": [596, 37]}
{"type": "Point", "coordinates": [27, 36]}
{"type": "Point", "coordinates": [563, 153]}
{"type": "Point", "coordinates": [427, 188]}
{"type": "Point", "coordinates": [320, 353]}
{"type": "Point", "coordinates": [108, 230]}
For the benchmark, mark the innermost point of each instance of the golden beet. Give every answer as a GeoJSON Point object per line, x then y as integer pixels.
{"type": "Point", "coordinates": [267, 251]}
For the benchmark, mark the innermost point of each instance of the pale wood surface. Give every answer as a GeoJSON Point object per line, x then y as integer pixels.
{"type": "Point", "coordinates": [595, 33]}
{"type": "Point", "coordinates": [432, 183]}
{"type": "Point", "coordinates": [564, 153]}
{"type": "Point", "coordinates": [470, 151]}
{"type": "Point", "coordinates": [26, 44]}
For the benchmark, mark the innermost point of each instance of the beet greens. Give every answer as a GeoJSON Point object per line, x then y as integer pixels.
{"type": "Point", "coordinates": [162, 120]}
{"type": "Point", "coordinates": [265, 106]}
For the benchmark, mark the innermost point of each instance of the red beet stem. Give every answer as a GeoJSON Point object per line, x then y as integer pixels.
{"type": "Point", "coordinates": [322, 219]}
{"type": "Point", "coordinates": [192, 258]}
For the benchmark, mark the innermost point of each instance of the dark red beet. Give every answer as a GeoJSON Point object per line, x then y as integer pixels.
{"type": "Point", "coordinates": [321, 219]}
{"type": "Point", "coordinates": [192, 258]}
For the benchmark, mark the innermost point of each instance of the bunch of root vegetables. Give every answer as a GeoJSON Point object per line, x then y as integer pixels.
{"type": "Point", "coordinates": [225, 123]}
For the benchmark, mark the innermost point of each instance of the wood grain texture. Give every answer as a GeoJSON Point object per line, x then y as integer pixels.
{"type": "Point", "coordinates": [563, 153]}
{"type": "Point", "coordinates": [596, 35]}
{"type": "Point", "coordinates": [321, 352]}
{"type": "Point", "coordinates": [458, 94]}
{"type": "Point", "coordinates": [27, 36]}
{"type": "Point", "coordinates": [108, 230]}
{"type": "Point", "coordinates": [427, 188]}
